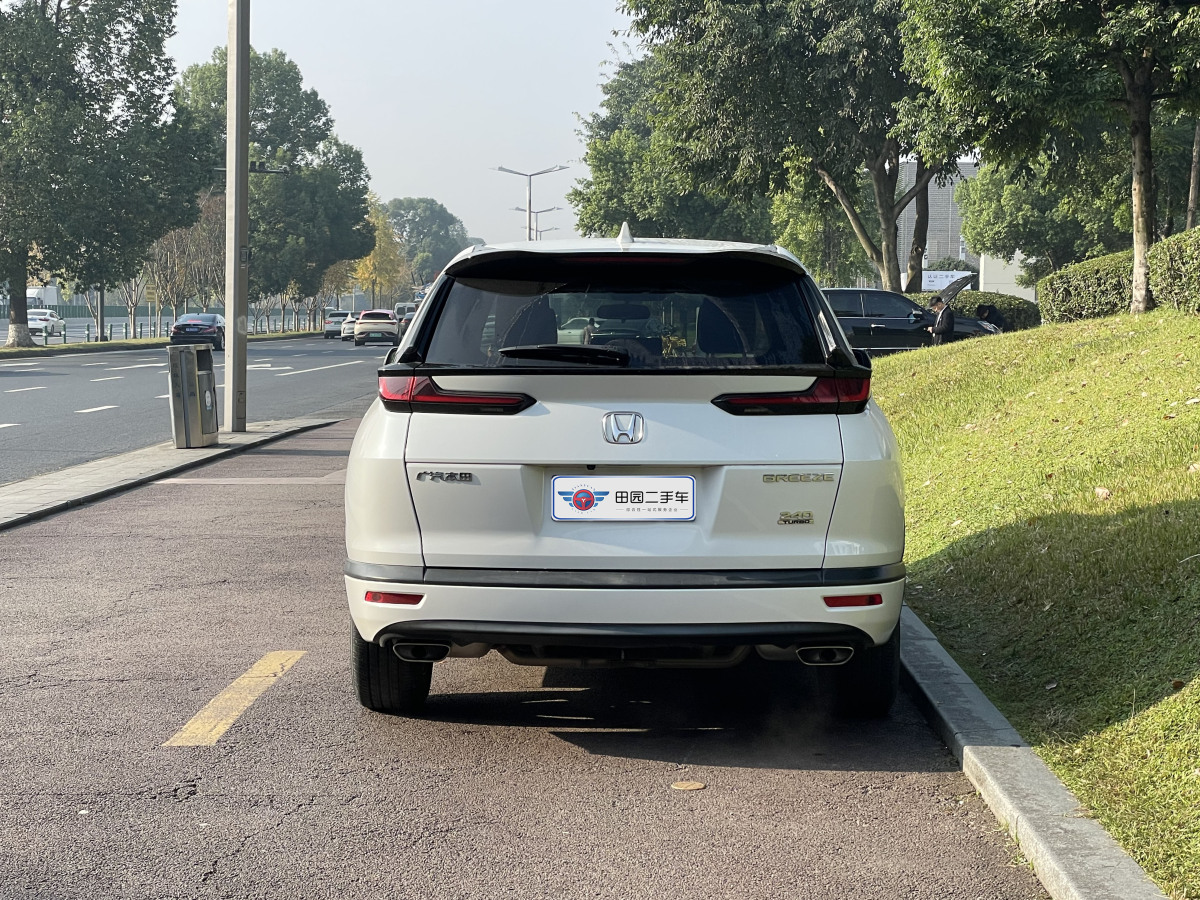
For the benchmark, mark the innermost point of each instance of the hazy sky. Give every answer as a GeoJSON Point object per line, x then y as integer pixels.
{"type": "Point", "coordinates": [437, 93]}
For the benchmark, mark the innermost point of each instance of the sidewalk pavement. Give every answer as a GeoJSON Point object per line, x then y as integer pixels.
{"type": "Point", "coordinates": [43, 495]}
{"type": "Point", "coordinates": [1074, 857]}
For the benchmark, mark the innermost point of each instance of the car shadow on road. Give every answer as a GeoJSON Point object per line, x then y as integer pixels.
{"type": "Point", "coordinates": [757, 715]}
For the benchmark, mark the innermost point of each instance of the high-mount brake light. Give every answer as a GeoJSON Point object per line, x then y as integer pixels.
{"type": "Point", "coordinates": [419, 393]}
{"type": "Point", "coordinates": [853, 600]}
{"type": "Point", "coordinates": [824, 395]}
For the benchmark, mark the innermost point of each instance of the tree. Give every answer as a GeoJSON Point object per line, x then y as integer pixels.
{"type": "Point", "coordinates": [1023, 69]}
{"type": "Point", "coordinates": [95, 161]}
{"type": "Point", "coordinates": [303, 222]}
{"type": "Point", "coordinates": [1072, 201]}
{"type": "Point", "coordinates": [756, 87]}
{"type": "Point", "coordinates": [284, 117]}
{"type": "Point", "coordinates": [384, 271]}
{"type": "Point", "coordinates": [631, 177]}
{"type": "Point", "coordinates": [430, 233]}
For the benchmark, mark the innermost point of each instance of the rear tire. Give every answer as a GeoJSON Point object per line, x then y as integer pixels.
{"type": "Point", "coordinates": [358, 343]}
{"type": "Point", "coordinates": [384, 682]}
{"type": "Point", "coordinates": [867, 685]}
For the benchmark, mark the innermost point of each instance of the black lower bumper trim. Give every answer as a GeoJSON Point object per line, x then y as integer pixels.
{"type": "Point", "coordinates": [725, 634]}
{"type": "Point", "coordinates": [629, 578]}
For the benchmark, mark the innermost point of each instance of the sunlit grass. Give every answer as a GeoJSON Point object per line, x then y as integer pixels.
{"type": "Point", "coordinates": [1053, 483]}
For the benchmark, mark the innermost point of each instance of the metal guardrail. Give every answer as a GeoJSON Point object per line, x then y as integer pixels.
{"type": "Point", "coordinates": [117, 329]}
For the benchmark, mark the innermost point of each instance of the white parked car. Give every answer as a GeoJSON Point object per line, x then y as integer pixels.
{"type": "Point", "coordinates": [334, 318]}
{"type": "Point", "coordinates": [43, 322]}
{"type": "Point", "coordinates": [715, 484]}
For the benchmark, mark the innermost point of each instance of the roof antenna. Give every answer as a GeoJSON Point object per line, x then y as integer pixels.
{"type": "Point", "coordinates": [625, 238]}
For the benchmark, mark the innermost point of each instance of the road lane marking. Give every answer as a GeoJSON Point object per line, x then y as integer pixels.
{"type": "Point", "coordinates": [110, 378]}
{"type": "Point", "coordinates": [163, 397]}
{"type": "Point", "coordinates": [207, 726]}
{"type": "Point", "coordinates": [319, 368]}
{"type": "Point", "coordinates": [267, 367]}
{"type": "Point", "coordinates": [9, 424]}
{"type": "Point", "coordinates": [95, 409]}
{"type": "Point", "coordinates": [138, 366]}
{"type": "Point", "coordinates": [85, 365]}
{"type": "Point", "coordinates": [40, 387]}
{"type": "Point", "coordinates": [10, 365]}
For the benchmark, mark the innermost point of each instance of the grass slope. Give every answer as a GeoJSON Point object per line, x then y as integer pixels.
{"type": "Point", "coordinates": [1053, 481]}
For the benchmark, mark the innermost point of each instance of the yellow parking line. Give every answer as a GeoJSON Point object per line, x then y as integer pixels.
{"type": "Point", "coordinates": [207, 726]}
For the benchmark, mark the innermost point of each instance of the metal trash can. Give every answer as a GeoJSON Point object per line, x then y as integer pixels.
{"type": "Point", "coordinates": [193, 393]}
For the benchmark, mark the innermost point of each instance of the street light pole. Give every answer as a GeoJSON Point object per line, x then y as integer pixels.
{"type": "Point", "coordinates": [237, 189]}
{"type": "Point", "coordinates": [537, 212]}
{"type": "Point", "coordinates": [529, 176]}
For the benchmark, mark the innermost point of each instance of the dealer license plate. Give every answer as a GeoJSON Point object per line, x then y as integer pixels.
{"type": "Point", "coordinates": [624, 498]}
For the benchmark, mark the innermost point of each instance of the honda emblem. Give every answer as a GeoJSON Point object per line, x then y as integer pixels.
{"type": "Point", "coordinates": [624, 427]}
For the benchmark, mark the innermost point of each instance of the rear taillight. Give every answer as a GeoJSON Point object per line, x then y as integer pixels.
{"type": "Point", "coordinates": [395, 599]}
{"type": "Point", "coordinates": [418, 393]}
{"type": "Point", "coordinates": [854, 600]}
{"type": "Point", "coordinates": [824, 395]}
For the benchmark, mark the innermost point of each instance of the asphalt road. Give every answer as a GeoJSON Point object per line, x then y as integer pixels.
{"type": "Point", "coordinates": [519, 782]}
{"type": "Point", "coordinates": [65, 409]}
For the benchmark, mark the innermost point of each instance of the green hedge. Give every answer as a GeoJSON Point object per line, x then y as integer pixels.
{"type": "Point", "coordinates": [1089, 289]}
{"type": "Point", "coordinates": [1017, 311]}
{"type": "Point", "coordinates": [1175, 271]}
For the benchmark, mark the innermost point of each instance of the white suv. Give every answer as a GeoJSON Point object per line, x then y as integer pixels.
{"type": "Point", "coordinates": [716, 485]}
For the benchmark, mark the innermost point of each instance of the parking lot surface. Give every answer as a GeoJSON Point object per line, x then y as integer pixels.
{"type": "Point", "coordinates": [213, 604]}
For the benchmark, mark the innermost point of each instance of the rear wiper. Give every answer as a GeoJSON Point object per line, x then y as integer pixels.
{"type": "Point", "coordinates": [598, 355]}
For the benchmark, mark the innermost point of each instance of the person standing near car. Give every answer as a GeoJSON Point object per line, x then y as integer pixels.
{"type": "Point", "coordinates": [942, 328]}
{"type": "Point", "coordinates": [588, 331]}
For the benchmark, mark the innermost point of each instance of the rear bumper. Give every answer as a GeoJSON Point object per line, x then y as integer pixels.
{"type": "Point", "coordinates": [686, 614]}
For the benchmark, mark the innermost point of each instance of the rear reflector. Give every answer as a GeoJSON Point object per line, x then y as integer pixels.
{"type": "Point", "coordinates": [824, 395]}
{"type": "Point", "coordinates": [854, 600]}
{"type": "Point", "coordinates": [400, 599]}
{"type": "Point", "coordinates": [418, 393]}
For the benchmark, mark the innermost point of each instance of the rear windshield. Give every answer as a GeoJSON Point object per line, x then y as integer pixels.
{"type": "Point", "coordinates": [382, 316]}
{"type": "Point", "coordinates": [199, 319]}
{"type": "Point", "coordinates": [676, 313]}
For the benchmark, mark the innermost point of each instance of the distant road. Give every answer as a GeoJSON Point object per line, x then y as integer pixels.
{"type": "Point", "coordinates": [62, 410]}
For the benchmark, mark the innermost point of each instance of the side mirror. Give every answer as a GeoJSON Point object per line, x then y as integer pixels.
{"type": "Point", "coordinates": [916, 315]}
{"type": "Point", "coordinates": [391, 356]}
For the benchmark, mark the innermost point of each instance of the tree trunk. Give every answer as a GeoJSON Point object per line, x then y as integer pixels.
{"type": "Point", "coordinates": [1138, 90]}
{"type": "Point", "coordinates": [916, 253]}
{"type": "Point", "coordinates": [884, 175]}
{"type": "Point", "coordinates": [846, 201]}
{"type": "Point", "coordinates": [1194, 183]}
{"type": "Point", "coordinates": [18, 305]}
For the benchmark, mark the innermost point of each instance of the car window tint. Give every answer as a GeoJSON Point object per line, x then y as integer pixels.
{"type": "Point", "coordinates": [699, 315]}
{"type": "Point", "coordinates": [845, 303]}
{"type": "Point", "coordinates": [885, 305]}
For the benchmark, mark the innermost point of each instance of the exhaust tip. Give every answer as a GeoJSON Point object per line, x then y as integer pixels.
{"type": "Point", "coordinates": [421, 652]}
{"type": "Point", "coordinates": [825, 656]}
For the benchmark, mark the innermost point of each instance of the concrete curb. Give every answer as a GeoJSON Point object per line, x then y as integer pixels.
{"type": "Point", "coordinates": [44, 495]}
{"type": "Point", "coordinates": [1075, 858]}
{"type": "Point", "coordinates": [121, 345]}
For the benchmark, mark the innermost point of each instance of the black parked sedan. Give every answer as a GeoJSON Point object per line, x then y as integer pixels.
{"type": "Point", "coordinates": [884, 321]}
{"type": "Point", "coordinates": [199, 328]}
